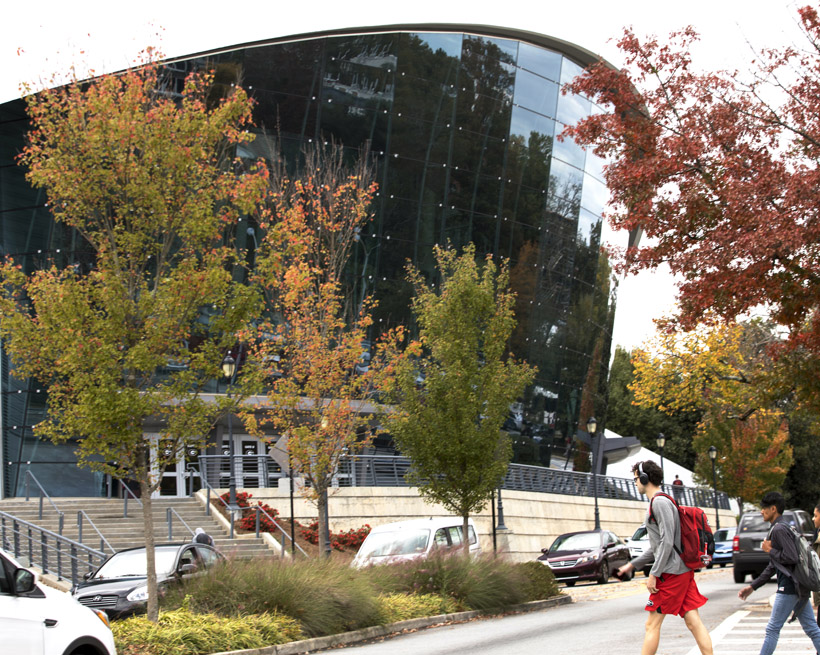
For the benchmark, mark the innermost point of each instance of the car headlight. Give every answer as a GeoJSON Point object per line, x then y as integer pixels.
{"type": "Point", "coordinates": [140, 593]}
{"type": "Point", "coordinates": [588, 557]}
{"type": "Point", "coordinates": [102, 616]}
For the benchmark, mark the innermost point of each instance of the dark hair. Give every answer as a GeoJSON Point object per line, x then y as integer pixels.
{"type": "Point", "coordinates": [652, 470]}
{"type": "Point", "coordinates": [774, 498]}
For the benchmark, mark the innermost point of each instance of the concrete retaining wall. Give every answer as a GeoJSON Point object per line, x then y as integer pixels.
{"type": "Point", "coordinates": [533, 519]}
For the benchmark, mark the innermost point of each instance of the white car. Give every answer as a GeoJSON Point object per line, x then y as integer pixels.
{"type": "Point", "coordinates": [638, 543]}
{"type": "Point", "coordinates": [38, 620]}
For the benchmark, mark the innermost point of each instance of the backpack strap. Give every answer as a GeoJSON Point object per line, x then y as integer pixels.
{"type": "Point", "coordinates": [665, 495]}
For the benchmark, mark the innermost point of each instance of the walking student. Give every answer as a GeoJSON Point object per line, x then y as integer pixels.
{"type": "Point", "coordinates": [815, 544]}
{"type": "Point", "coordinates": [790, 596]}
{"type": "Point", "coordinates": [671, 583]}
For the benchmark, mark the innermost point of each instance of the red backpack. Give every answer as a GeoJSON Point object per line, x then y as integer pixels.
{"type": "Point", "coordinates": [696, 539]}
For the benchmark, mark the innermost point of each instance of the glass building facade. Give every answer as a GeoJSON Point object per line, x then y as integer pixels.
{"type": "Point", "coordinates": [463, 124]}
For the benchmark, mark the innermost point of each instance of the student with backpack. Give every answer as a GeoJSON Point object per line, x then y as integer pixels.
{"type": "Point", "coordinates": [792, 595]}
{"type": "Point", "coordinates": [671, 581]}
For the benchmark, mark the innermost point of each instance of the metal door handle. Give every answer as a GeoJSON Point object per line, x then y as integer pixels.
{"type": "Point", "coordinates": [50, 623]}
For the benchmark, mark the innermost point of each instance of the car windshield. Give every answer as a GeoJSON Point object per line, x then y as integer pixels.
{"type": "Point", "coordinates": [753, 523]}
{"type": "Point", "coordinates": [582, 541]}
{"type": "Point", "coordinates": [398, 542]}
{"type": "Point", "coordinates": [724, 534]}
{"type": "Point", "coordinates": [131, 563]}
{"type": "Point", "coordinates": [640, 533]}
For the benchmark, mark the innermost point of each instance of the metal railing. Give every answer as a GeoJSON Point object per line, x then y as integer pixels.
{"type": "Point", "coordinates": [170, 513]}
{"type": "Point", "coordinates": [61, 516]}
{"type": "Point", "coordinates": [193, 469]}
{"type": "Point", "coordinates": [47, 550]}
{"type": "Point", "coordinates": [103, 541]}
{"type": "Point", "coordinates": [250, 471]}
{"type": "Point", "coordinates": [258, 511]}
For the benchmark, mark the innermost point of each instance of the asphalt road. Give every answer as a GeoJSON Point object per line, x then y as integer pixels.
{"type": "Point", "coordinates": [602, 619]}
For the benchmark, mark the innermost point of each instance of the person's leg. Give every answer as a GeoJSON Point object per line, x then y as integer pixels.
{"type": "Point", "coordinates": [653, 633]}
{"type": "Point", "coordinates": [699, 631]}
{"type": "Point", "coordinates": [783, 605]}
{"type": "Point", "coordinates": [809, 624]}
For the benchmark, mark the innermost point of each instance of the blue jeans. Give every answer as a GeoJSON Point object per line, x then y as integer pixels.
{"type": "Point", "coordinates": [783, 606]}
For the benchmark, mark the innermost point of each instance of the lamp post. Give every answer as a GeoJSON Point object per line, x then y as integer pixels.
{"type": "Point", "coordinates": [229, 371]}
{"type": "Point", "coordinates": [592, 426]}
{"type": "Point", "coordinates": [713, 457]}
{"type": "Point", "coordinates": [660, 440]}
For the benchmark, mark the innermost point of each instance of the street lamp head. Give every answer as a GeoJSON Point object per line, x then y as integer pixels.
{"type": "Point", "coordinates": [592, 425]}
{"type": "Point", "coordinates": [712, 453]}
{"type": "Point", "coordinates": [228, 366]}
{"type": "Point", "coordinates": [660, 440]}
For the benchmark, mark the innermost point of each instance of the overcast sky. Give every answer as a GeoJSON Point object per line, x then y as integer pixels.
{"type": "Point", "coordinates": [40, 39]}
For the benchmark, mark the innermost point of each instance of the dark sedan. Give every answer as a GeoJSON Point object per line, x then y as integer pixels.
{"type": "Point", "coordinates": [592, 555]}
{"type": "Point", "coordinates": [120, 587]}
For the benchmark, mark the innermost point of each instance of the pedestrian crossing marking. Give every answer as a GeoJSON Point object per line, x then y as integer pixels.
{"type": "Point", "coordinates": [742, 634]}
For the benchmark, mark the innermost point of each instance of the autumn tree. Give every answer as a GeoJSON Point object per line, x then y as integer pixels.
{"type": "Point", "coordinates": [324, 372]}
{"type": "Point", "coordinates": [720, 170]}
{"type": "Point", "coordinates": [726, 375]}
{"type": "Point", "coordinates": [147, 180]}
{"type": "Point", "coordinates": [454, 397]}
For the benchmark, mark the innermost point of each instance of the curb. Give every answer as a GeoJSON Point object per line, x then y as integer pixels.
{"type": "Point", "coordinates": [374, 632]}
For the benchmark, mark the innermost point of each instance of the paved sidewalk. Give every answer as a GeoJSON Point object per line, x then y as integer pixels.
{"type": "Point", "coordinates": [742, 634]}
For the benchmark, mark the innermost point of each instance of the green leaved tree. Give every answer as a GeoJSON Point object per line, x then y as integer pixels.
{"type": "Point", "coordinates": [134, 322]}
{"type": "Point", "coordinates": [452, 399]}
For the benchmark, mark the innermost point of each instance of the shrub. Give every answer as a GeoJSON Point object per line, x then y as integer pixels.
{"type": "Point", "coordinates": [480, 583]}
{"type": "Point", "coordinates": [325, 596]}
{"type": "Point", "coordinates": [401, 607]}
{"type": "Point", "coordinates": [181, 632]}
{"type": "Point", "coordinates": [540, 582]}
{"type": "Point", "coordinates": [350, 540]}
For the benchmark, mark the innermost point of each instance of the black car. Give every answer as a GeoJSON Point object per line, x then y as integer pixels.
{"type": "Point", "coordinates": [590, 555]}
{"type": "Point", "coordinates": [119, 586]}
{"type": "Point", "coordinates": [747, 555]}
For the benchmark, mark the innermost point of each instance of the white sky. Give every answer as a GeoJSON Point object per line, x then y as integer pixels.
{"type": "Point", "coordinates": [46, 37]}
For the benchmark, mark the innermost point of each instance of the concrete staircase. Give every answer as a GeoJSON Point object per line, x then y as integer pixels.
{"type": "Point", "coordinates": [126, 532]}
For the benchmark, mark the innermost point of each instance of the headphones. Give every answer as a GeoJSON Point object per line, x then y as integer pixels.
{"type": "Point", "coordinates": [642, 477]}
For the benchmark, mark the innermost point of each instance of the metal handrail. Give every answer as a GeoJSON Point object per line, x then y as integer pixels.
{"type": "Point", "coordinates": [60, 514]}
{"type": "Point", "coordinates": [80, 514]}
{"type": "Point", "coordinates": [194, 469]}
{"type": "Point", "coordinates": [170, 512]}
{"type": "Point", "coordinates": [18, 538]}
{"type": "Point", "coordinates": [279, 527]}
{"type": "Point", "coordinates": [128, 492]}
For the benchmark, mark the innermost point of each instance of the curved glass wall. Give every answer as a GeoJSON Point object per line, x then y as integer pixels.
{"type": "Point", "coordinates": [464, 129]}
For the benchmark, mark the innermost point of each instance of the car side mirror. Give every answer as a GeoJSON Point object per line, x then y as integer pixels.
{"type": "Point", "coordinates": [545, 550]}
{"type": "Point", "coordinates": [185, 569]}
{"type": "Point", "coordinates": [23, 581]}
{"type": "Point", "coordinates": [87, 575]}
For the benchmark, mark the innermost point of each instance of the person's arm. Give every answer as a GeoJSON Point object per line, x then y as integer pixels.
{"type": "Point", "coordinates": [665, 514]}
{"type": "Point", "coordinates": [783, 550]}
{"type": "Point", "coordinates": [646, 558]}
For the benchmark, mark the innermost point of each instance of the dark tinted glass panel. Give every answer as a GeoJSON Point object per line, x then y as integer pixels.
{"type": "Point", "coordinates": [543, 62]}
{"type": "Point", "coordinates": [564, 197]}
{"type": "Point", "coordinates": [589, 228]}
{"type": "Point", "coordinates": [448, 44]}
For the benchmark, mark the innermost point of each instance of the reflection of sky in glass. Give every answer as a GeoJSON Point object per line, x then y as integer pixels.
{"type": "Point", "coordinates": [565, 189]}
{"type": "Point", "coordinates": [569, 151]}
{"type": "Point", "coordinates": [594, 196]}
{"type": "Point", "coordinates": [572, 108]}
{"type": "Point", "coordinates": [595, 165]}
{"type": "Point", "coordinates": [589, 227]}
{"type": "Point", "coordinates": [569, 71]}
{"type": "Point", "coordinates": [538, 60]}
{"type": "Point", "coordinates": [524, 122]}
{"type": "Point", "coordinates": [536, 93]}
{"type": "Point", "coordinates": [450, 43]}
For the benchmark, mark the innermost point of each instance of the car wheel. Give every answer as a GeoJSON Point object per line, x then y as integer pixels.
{"type": "Point", "coordinates": [604, 572]}
{"type": "Point", "coordinates": [740, 576]}
{"type": "Point", "coordinates": [722, 564]}
{"type": "Point", "coordinates": [709, 565]}
{"type": "Point", "coordinates": [570, 583]}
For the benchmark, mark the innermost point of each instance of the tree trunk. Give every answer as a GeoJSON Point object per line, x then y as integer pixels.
{"type": "Point", "coordinates": [465, 527]}
{"type": "Point", "coordinates": [324, 524]}
{"type": "Point", "coordinates": [144, 472]}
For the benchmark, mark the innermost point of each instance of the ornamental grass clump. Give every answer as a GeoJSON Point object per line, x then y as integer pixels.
{"type": "Point", "coordinates": [183, 632]}
{"type": "Point", "coordinates": [540, 582]}
{"type": "Point", "coordinates": [401, 607]}
{"type": "Point", "coordinates": [477, 583]}
{"type": "Point", "coordinates": [324, 596]}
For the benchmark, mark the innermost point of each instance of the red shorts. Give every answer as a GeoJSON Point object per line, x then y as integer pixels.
{"type": "Point", "coordinates": [676, 594]}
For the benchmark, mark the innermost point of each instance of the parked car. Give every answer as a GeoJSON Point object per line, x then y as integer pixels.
{"type": "Point", "coordinates": [119, 586]}
{"type": "Point", "coordinates": [35, 618]}
{"type": "Point", "coordinates": [637, 544]}
{"type": "Point", "coordinates": [724, 542]}
{"type": "Point", "coordinates": [413, 539]}
{"type": "Point", "coordinates": [590, 555]}
{"type": "Point", "coordinates": [747, 555]}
